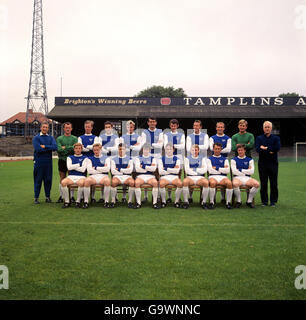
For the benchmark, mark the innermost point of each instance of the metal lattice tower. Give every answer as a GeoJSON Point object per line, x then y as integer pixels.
{"type": "Point", "coordinates": [37, 100]}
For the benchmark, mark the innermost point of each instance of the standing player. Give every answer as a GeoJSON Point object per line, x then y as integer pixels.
{"type": "Point", "coordinates": [132, 140]}
{"type": "Point", "coordinates": [43, 146]}
{"type": "Point", "coordinates": [195, 168]}
{"type": "Point", "coordinates": [109, 140]}
{"type": "Point", "coordinates": [122, 168]}
{"type": "Point", "coordinates": [146, 165]}
{"type": "Point", "coordinates": [242, 169]}
{"type": "Point", "coordinates": [177, 139]}
{"type": "Point", "coordinates": [226, 143]}
{"type": "Point", "coordinates": [199, 138]}
{"type": "Point", "coordinates": [243, 137]}
{"type": "Point", "coordinates": [64, 149]}
{"type": "Point", "coordinates": [218, 168]}
{"type": "Point", "coordinates": [98, 167]}
{"type": "Point", "coordinates": [169, 168]}
{"type": "Point", "coordinates": [77, 165]}
{"type": "Point", "coordinates": [155, 138]}
{"type": "Point", "coordinates": [88, 139]}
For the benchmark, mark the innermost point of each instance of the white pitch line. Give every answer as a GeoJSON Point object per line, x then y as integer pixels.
{"type": "Point", "coordinates": [155, 224]}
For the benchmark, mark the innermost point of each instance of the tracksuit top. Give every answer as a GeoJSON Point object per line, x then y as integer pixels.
{"type": "Point", "coordinates": [75, 160]}
{"type": "Point", "coordinates": [195, 163]}
{"type": "Point", "coordinates": [152, 137]}
{"type": "Point", "coordinates": [222, 140]}
{"type": "Point", "coordinates": [146, 161]}
{"type": "Point", "coordinates": [242, 163]}
{"type": "Point", "coordinates": [88, 140]}
{"type": "Point", "coordinates": [43, 154]}
{"type": "Point", "coordinates": [217, 162]}
{"type": "Point", "coordinates": [175, 138]}
{"type": "Point", "coordinates": [169, 163]}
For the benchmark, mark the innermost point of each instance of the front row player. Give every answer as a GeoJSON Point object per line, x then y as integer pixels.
{"type": "Point", "coordinates": [218, 169]}
{"type": "Point", "coordinates": [76, 165]}
{"type": "Point", "coordinates": [242, 169]}
{"type": "Point", "coordinates": [145, 166]}
{"type": "Point", "coordinates": [98, 167]}
{"type": "Point", "coordinates": [121, 169]}
{"type": "Point", "coordinates": [169, 168]}
{"type": "Point", "coordinates": [195, 169]}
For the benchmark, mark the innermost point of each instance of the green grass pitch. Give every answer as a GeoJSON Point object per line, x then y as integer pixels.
{"type": "Point", "coordinates": [171, 253]}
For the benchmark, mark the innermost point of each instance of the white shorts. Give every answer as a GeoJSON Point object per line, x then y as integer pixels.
{"type": "Point", "coordinates": [145, 177]}
{"type": "Point", "coordinates": [75, 179]}
{"type": "Point", "coordinates": [243, 179]}
{"type": "Point", "coordinates": [217, 177]}
{"type": "Point", "coordinates": [98, 177]}
{"type": "Point", "coordinates": [195, 179]}
{"type": "Point", "coordinates": [169, 177]}
{"type": "Point", "coordinates": [122, 178]}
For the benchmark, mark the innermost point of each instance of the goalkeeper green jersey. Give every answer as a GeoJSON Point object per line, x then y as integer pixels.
{"type": "Point", "coordinates": [68, 142]}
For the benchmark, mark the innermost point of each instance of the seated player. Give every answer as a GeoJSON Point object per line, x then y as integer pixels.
{"type": "Point", "coordinates": [76, 165]}
{"type": "Point", "coordinates": [122, 168]}
{"type": "Point", "coordinates": [146, 165]}
{"type": "Point", "coordinates": [169, 168]}
{"type": "Point", "coordinates": [195, 168]}
{"type": "Point", "coordinates": [98, 167]}
{"type": "Point", "coordinates": [242, 169]}
{"type": "Point", "coordinates": [218, 168]}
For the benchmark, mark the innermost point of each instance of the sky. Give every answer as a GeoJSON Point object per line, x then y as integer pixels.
{"type": "Point", "coordinates": [118, 48]}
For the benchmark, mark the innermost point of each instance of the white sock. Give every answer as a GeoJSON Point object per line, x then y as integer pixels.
{"type": "Point", "coordinates": [237, 194]}
{"type": "Point", "coordinates": [252, 194]}
{"type": "Point", "coordinates": [106, 193]}
{"type": "Point", "coordinates": [204, 194]}
{"type": "Point", "coordinates": [155, 195]}
{"type": "Point", "coordinates": [212, 192]}
{"type": "Point", "coordinates": [178, 192]}
{"type": "Point", "coordinates": [65, 193]}
{"type": "Point", "coordinates": [60, 191]}
{"type": "Point", "coordinates": [131, 194]}
{"type": "Point", "coordinates": [185, 194]}
{"type": "Point", "coordinates": [229, 194]}
{"type": "Point", "coordinates": [113, 194]}
{"type": "Point", "coordinates": [86, 194]}
{"type": "Point", "coordinates": [162, 194]}
{"type": "Point", "coordinates": [138, 195]}
{"type": "Point", "coordinates": [80, 194]}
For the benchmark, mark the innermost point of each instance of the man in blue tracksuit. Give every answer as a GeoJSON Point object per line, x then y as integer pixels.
{"type": "Point", "coordinates": [43, 147]}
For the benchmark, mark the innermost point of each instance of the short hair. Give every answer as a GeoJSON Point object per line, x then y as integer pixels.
{"type": "Point", "coordinates": [67, 123]}
{"type": "Point", "coordinates": [146, 146]}
{"type": "Point", "coordinates": [268, 122]}
{"type": "Point", "coordinates": [77, 144]}
{"type": "Point", "coordinates": [97, 145]}
{"type": "Point", "coordinates": [152, 118]}
{"type": "Point", "coordinates": [44, 122]}
{"type": "Point", "coordinates": [129, 122]}
{"type": "Point", "coordinates": [195, 146]}
{"type": "Point", "coordinates": [240, 145]}
{"type": "Point", "coordinates": [169, 145]}
{"type": "Point", "coordinates": [90, 122]}
{"type": "Point", "coordinates": [174, 121]}
{"type": "Point", "coordinates": [242, 121]}
{"type": "Point", "coordinates": [218, 144]}
{"type": "Point", "coordinates": [121, 145]}
{"type": "Point", "coordinates": [108, 122]}
{"type": "Point", "coordinates": [220, 122]}
{"type": "Point", "coordinates": [198, 121]}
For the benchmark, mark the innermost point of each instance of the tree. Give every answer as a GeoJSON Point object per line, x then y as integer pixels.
{"type": "Point", "coordinates": [288, 94]}
{"type": "Point", "coordinates": [160, 91]}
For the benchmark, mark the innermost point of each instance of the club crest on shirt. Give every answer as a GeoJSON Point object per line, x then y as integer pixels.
{"type": "Point", "coordinates": [220, 161]}
{"type": "Point", "coordinates": [245, 162]}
